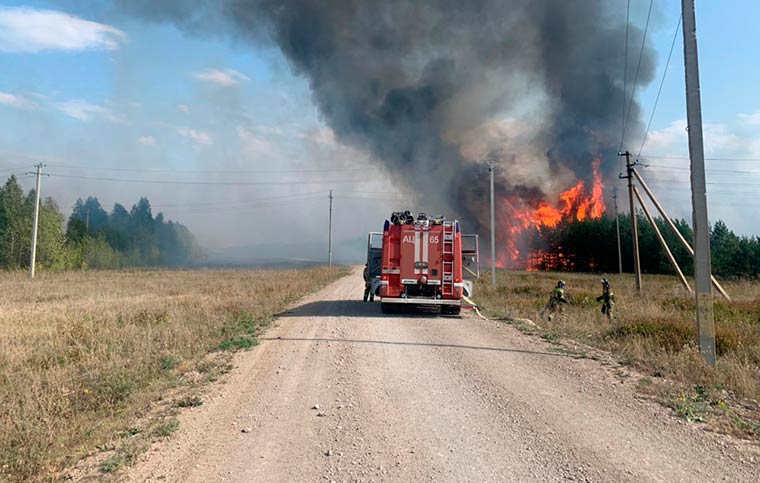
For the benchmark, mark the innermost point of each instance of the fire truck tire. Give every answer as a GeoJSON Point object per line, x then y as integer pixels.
{"type": "Point", "coordinates": [449, 310]}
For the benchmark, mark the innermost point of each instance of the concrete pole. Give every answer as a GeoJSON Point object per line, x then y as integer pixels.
{"type": "Point", "coordinates": [617, 228]}
{"type": "Point", "coordinates": [702, 268]}
{"type": "Point", "coordinates": [493, 230]}
{"type": "Point", "coordinates": [329, 235]}
{"type": "Point", "coordinates": [634, 227]}
{"type": "Point", "coordinates": [664, 245]}
{"type": "Point", "coordinates": [33, 256]}
{"type": "Point", "coordinates": [680, 237]}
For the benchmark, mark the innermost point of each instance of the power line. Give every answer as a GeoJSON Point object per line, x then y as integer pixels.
{"type": "Point", "coordinates": [625, 79]}
{"type": "Point", "coordinates": [220, 183]}
{"type": "Point", "coordinates": [649, 156]}
{"type": "Point", "coordinates": [673, 185]}
{"type": "Point", "coordinates": [715, 193]}
{"type": "Point", "coordinates": [11, 170]}
{"type": "Point", "coordinates": [638, 68]}
{"type": "Point", "coordinates": [715, 171]}
{"type": "Point", "coordinates": [235, 202]}
{"type": "Point", "coordinates": [381, 198]}
{"type": "Point", "coordinates": [209, 171]}
{"type": "Point", "coordinates": [259, 202]}
{"type": "Point", "coordinates": [662, 82]}
{"type": "Point", "coordinates": [243, 207]}
{"type": "Point", "coordinates": [383, 194]}
{"type": "Point", "coordinates": [227, 203]}
{"type": "Point", "coordinates": [712, 183]}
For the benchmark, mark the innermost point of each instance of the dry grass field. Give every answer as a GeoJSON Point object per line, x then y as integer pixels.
{"type": "Point", "coordinates": [83, 355]}
{"type": "Point", "coordinates": [655, 333]}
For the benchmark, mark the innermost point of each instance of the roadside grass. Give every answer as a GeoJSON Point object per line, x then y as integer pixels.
{"type": "Point", "coordinates": [655, 333]}
{"type": "Point", "coordinates": [84, 355]}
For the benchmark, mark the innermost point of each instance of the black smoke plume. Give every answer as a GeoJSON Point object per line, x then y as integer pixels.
{"type": "Point", "coordinates": [432, 88]}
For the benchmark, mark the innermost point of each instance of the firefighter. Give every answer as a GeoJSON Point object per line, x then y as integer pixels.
{"type": "Point", "coordinates": [367, 284]}
{"type": "Point", "coordinates": [607, 299]}
{"type": "Point", "coordinates": [556, 299]}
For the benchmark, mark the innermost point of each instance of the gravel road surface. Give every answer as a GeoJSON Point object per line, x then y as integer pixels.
{"type": "Point", "coordinates": [337, 391]}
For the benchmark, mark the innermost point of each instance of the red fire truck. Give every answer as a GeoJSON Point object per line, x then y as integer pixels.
{"type": "Point", "coordinates": [421, 262]}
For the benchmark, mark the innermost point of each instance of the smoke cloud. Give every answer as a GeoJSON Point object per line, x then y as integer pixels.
{"type": "Point", "coordinates": [432, 88]}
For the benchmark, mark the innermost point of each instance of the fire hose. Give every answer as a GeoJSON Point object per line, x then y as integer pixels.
{"type": "Point", "coordinates": [474, 307]}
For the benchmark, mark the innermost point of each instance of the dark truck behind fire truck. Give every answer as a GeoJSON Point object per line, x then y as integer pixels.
{"type": "Point", "coordinates": [422, 262]}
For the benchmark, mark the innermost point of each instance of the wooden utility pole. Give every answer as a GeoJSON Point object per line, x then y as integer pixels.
{"type": "Point", "coordinates": [493, 230]}
{"type": "Point", "coordinates": [702, 268]}
{"type": "Point", "coordinates": [33, 256]}
{"type": "Point", "coordinates": [634, 228]}
{"type": "Point", "coordinates": [617, 228]}
{"type": "Point", "coordinates": [329, 235]}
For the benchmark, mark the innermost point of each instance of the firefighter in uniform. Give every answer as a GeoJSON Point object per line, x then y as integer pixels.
{"type": "Point", "coordinates": [607, 299]}
{"type": "Point", "coordinates": [556, 299]}
{"type": "Point", "coordinates": [367, 284]}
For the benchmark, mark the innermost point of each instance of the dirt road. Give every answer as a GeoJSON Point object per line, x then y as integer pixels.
{"type": "Point", "coordinates": [416, 398]}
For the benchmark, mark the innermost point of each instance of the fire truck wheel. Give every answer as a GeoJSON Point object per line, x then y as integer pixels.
{"type": "Point", "coordinates": [451, 310]}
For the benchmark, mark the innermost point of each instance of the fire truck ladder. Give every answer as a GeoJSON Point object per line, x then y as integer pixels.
{"type": "Point", "coordinates": [447, 285]}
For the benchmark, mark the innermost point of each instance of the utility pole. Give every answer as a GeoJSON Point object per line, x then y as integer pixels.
{"type": "Point", "coordinates": [662, 241]}
{"type": "Point", "coordinates": [617, 228]}
{"type": "Point", "coordinates": [493, 230]}
{"type": "Point", "coordinates": [329, 236]}
{"type": "Point", "coordinates": [677, 233]}
{"type": "Point", "coordinates": [634, 228]}
{"type": "Point", "coordinates": [702, 268]}
{"type": "Point", "coordinates": [87, 221]}
{"type": "Point", "coordinates": [33, 256]}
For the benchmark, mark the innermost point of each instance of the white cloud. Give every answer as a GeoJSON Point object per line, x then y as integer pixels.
{"type": "Point", "coordinates": [17, 101]}
{"type": "Point", "coordinates": [674, 141]}
{"type": "Point", "coordinates": [323, 136]}
{"type": "Point", "coordinates": [224, 78]}
{"type": "Point", "coordinates": [24, 29]}
{"type": "Point", "coordinates": [254, 145]}
{"type": "Point", "coordinates": [147, 140]}
{"type": "Point", "coordinates": [198, 137]}
{"type": "Point", "coordinates": [184, 108]}
{"type": "Point", "coordinates": [85, 111]}
{"type": "Point", "coordinates": [731, 151]}
{"type": "Point", "coordinates": [752, 119]}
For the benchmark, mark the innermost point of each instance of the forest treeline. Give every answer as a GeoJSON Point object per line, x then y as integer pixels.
{"type": "Point", "coordinates": [591, 246]}
{"type": "Point", "coordinates": [90, 237]}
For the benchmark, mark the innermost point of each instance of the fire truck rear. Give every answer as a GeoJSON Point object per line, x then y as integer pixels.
{"type": "Point", "coordinates": [421, 262]}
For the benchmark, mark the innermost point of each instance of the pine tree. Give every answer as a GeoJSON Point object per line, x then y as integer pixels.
{"type": "Point", "coordinates": [15, 225]}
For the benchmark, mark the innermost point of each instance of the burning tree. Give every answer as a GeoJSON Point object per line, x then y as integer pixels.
{"type": "Point", "coordinates": [524, 220]}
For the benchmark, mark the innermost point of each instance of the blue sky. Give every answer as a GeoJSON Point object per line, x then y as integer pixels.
{"type": "Point", "coordinates": [136, 95]}
{"type": "Point", "coordinates": [162, 100]}
{"type": "Point", "coordinates": [729, 66]}
{"type": "Point", "coordinates": [729, 63]}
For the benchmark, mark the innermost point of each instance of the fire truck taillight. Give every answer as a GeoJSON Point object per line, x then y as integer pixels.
{"type": "Point", "coordinates": [423, 280]}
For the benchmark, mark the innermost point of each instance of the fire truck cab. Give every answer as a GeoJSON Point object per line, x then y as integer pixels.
{"type": "Point", "coordinates": [421, 262]}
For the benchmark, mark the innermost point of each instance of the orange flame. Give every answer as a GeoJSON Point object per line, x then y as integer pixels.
{"type": "Point", "coordinates": [573, 204]}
